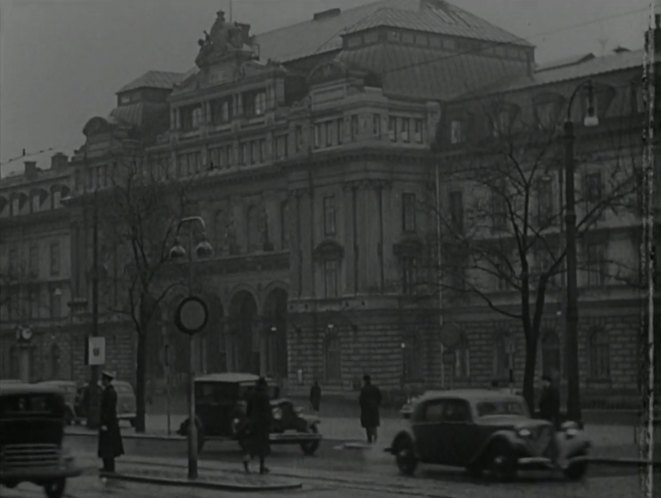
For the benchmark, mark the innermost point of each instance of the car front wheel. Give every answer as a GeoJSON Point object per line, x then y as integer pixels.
{"type": "Point", "coordinates": [405, 458]}
{"type": "Point", "coordinates": [576, 471]}
{"type": "Point", "coordinates": [310, 447]}
{"type": "Point", "coordinates": [501, 461]}
{"type": "Point", "coordinates": [55, 489]}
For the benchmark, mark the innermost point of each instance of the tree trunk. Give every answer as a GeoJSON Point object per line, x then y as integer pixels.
{"type": "Point", "coordinates": [140, 380]}
{"type": "Point", "coordinates": [529, 371]}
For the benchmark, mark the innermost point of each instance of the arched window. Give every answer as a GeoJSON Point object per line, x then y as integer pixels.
{"type": "Point", "coordinates": [55, 361]}
{"type": "Point", "coordinates": [599, 354]}
{"type": "Point", "coordinates": [332, 357]}
{"type": "Point", "coordinates": [462, 369]}
{"type": "Point", "coordinates": [551, 354]}
{"type": "Point", "coordinates": [413, 356]}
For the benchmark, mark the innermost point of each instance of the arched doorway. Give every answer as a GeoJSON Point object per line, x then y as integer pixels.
{"type": "Point", "coordinates": [245, 352]}
{"type": "Point", "coordinates": [275, 334]}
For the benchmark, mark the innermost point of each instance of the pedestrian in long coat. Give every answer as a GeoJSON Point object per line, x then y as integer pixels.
{"type": "Point", "coordinates": [549, 401]}
{"type": "Point", "coordinates": [315, 396]}
{"type": "Point", "coordinates": [259, 426]}
{"type": "Point", "coordinates": [110, 439]}
{"type": "Point", "coordinates": [370, 401]}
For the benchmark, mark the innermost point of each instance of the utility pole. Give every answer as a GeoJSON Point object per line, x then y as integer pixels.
{"type": "Point", "coordinates": [93, 408]}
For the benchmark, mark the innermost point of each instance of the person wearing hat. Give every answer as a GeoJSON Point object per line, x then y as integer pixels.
{"type": "Point", "coordinates": [110, 439]}
{"type": "Point", "coordinates": [549, 401]}
{"type": "Point", "coordinates": [259, 415]}
{"type": "Point", "coordinates": [370, 401]}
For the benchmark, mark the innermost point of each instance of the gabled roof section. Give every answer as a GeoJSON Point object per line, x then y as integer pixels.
{"type": "Point", "coordinates": [165, 80]}
{"type": "Point", "coordinates": [440, 17]}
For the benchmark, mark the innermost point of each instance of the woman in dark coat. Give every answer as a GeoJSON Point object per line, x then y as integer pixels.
{"type": "Point", "coordinates": [370, 400]}
{"type": "Point", "coordinates": [259, 426]}
{"type": "Point", "coordinates": [110, 439]}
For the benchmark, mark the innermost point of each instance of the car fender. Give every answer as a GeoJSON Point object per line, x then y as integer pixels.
{"type": "Point", "coordinates": [572, 445]}
{"type": "Point", "coordinates": [504, 435]}
{"type": "Point", "coordinates": [400, 437]}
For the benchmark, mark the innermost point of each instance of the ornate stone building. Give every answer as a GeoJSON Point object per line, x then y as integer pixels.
{"type": "Point", "coordinates": [307, 150]}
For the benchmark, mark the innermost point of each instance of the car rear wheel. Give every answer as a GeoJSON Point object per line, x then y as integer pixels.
{"type": "Point", "coordinates": [577, 470]}
{"type": "Point", "coordinates": [310, 447]}
{"type": "Point", "coordinates": [501, 461]}
{"type": "Point", "coordinates": [55, 489]}
{"type": "Point", "coordinates": [405, 457]}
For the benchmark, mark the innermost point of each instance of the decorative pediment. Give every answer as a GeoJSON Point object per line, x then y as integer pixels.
{"type": "Point", "coordinates": [410, 246]}
{"type": "Point", "coordinates": [226, 40]}
{"type": "Point", "coordinates": [328, 249]}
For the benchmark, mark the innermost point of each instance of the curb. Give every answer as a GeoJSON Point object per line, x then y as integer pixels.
{"type": "Point", "coordinates": [216, 484]}
{"type": "Point", "coordinates": [623, 462]}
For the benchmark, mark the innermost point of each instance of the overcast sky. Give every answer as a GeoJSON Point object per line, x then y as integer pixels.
{"type": "Point", "coordinates": [61, 61]}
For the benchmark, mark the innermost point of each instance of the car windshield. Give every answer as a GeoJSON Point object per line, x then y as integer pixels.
{"type": "Point", "coordinates": [500, 407]}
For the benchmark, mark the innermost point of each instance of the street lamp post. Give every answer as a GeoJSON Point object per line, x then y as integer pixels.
{"type": "Point", "coordinates": [203, 249]}
{"type": "Point", "coordinates": [571, 316]}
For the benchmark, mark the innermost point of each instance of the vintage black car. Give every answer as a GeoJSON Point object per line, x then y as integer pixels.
{"type": "Point", "coordinates": [70, 393]}
{"type": "Point", "coordinates": [491, 431]}
{"type": "Point", "coordinates": [220, 408]}
{"type": "Point", "coordinates": [32, 419]}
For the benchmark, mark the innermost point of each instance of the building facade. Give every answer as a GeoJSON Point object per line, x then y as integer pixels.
{"type": "Point", "coordinates": [321, 158]}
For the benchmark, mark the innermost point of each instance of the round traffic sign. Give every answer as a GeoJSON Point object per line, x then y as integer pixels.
{"type": "Point", "coordinates": [192, 315]}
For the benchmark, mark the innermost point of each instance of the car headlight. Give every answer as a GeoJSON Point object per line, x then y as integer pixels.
{"type": "Point", "coordinates": [524, 433]}
{"type": "Point", "coordinates": [277, 413]}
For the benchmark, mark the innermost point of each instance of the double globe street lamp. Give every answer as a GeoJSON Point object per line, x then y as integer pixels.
{"type": "Point", "coordinates": [191, 316]}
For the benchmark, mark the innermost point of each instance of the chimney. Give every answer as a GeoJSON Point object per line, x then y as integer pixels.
{"type": "Point", "coordinates": [31, 169]}
{"type": "Point", "coordinates": [59, 160]}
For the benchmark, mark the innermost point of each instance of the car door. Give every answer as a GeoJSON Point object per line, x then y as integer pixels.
{"type": "Point", "coordinates": [427, 430]}
{"type": "Point", "coordinates": [460, 431]}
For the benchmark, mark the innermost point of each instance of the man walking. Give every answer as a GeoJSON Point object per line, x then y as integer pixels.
{"type": "Point", "coordinates": [370, 401]}
{"type": "Point", "coordinates": [110, 439]}
{"type": "Point", "coordinates": [315, 396]}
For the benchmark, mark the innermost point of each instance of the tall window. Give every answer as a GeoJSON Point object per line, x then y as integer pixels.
{"type": "Point", "coordinates": [332, 357]}
{"type": "Point", "coordinates": [418, 131]}
{"type": "Point", "coordinates": [36, 202]}
{"type": "Point", "coordinates": [544, 201]}
{"type": "Point", "coordinates": [462, 369]}
{"type": "Point", "coordinates": [457, 210]}
{"type": "Point", "coordinates": [376, 125]}
{"type": "Point", "coordinates": [392, 128]}
{"type": "Point", "coordinates": [253, 229]}
{"type": "Point", "coordinates": [222, 110]}
{"type": "Point", "coordinates": [55, 303]}
{"type": "Point", "coordinates": [281, 147]}
{"type": "Point", "coordinates": [329, 215]}
{"type": "Point", "coordinates": [599, 354]}
{"type": "Point", "coordinates": [404, 124]}
{"type": "Point", "coordinates": [409, 274]}
{"type": "Point", "coordinates": [34, 260]}
{"type": "Point", "coordinates": [551, 354]}
{"type": "Point", "coordinates": [219, 231]}
{"type": "Point", "coordinates": [254, 103]}
{"type": "Point", "coordinates": [408, 212]}
{"type": "Point", "coordinates": [596, 266]}
{"type": "Point", "coordinates": [355, 128]}
{"type": "Point", "coordinates": [499, 208]}
{"type": "Point", "coordinates": [317, 135]}
{"type": "Point", "coordinates": [592, 189]}
{"type": "Point", "coordinates": [284, 225]}
{"type": "Point", "coordinates": [340, 131]}
{"type": "Point", "coordinates": [456, 132]}
{"type": "Point", "coordinates": [299, 138]}
{"type": "Point", "coordinates": [413, 356]}
{"type": "Point", "coordinates": [55, 361]}
{"type": "Point", "coordinates": [329, 133]}
{"type": "Point", "coordinates": [330, 278]}
{"type": "Point", "coordinates": [190, 117]}
{"type": "Point", "coordinates": [55, 258]}
{"type": "Point", "coordinates": [501, 356]}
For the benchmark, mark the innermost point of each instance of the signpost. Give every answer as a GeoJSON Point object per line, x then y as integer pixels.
{"type": "Point", "coordinates": [191, 316]}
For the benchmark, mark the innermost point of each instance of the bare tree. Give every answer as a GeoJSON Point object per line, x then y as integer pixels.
{"type": "Point", "coordinates": [507, 233]}
{"type": "Point", "coordinates": [140, 228]}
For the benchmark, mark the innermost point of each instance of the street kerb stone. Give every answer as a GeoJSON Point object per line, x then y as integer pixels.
{"type": "Point", "coordinates": [219, 480]}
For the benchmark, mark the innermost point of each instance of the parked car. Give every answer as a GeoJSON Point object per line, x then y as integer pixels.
{"type": "Point", "coordinates": [485, 430]}
{"type": "Point", "coordinates": [125, 400]}
{"type": "Point", "coordinates": [32, 419]}
{"type": "Point", "coordinates": [220, 408]}
{"type": "Point", "coordinates": [69, 391]}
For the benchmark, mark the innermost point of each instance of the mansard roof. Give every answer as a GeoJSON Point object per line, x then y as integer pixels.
{"type": "Point", "coordinates": [324, 34]}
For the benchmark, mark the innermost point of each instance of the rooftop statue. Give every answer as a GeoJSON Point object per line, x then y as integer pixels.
{"type": "Point", "coordinates": [225, 40]}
